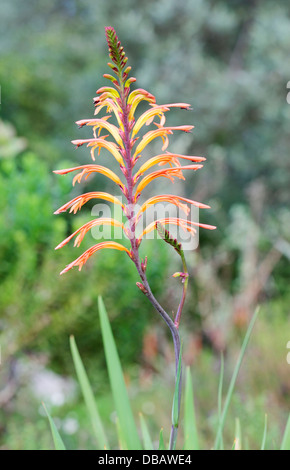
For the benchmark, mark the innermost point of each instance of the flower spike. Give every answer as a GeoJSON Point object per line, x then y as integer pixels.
{"type": "Point", "coordinates": [120, 103]}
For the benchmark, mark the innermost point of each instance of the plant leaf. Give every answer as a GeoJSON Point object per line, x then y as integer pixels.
{"type": "Point", "coordinates": [238, 435]}
{"type": "Point", "coordinates": [120, 395]}
{"type": "Point", "coordinates": [190, 428]}
{"type": "Point", "coordinates": [220, 394]}
{"type": "Point", "coordinates": [233, 380]}
{"type": "Point", "coordinates": [286, 437]}
{"type": "Point", "coordinates": [161, 440]}
{"type": "Point", "coordinates": [148, 445]}
{"type": "Point", "coordinates": [89, 398]}
{"type": "Point", "coordinates": [264, 434]}
{"type": "Point", "coordinates": [58, 442]}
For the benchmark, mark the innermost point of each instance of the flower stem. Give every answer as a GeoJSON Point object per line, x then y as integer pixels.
{"type": "Point", "coordinates": [185, 284]}
{"type": "Point", "coordinates": [136, 257]}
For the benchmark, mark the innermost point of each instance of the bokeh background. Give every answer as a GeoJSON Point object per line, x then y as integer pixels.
{"type": "Point", "coordinates": [230, 60]}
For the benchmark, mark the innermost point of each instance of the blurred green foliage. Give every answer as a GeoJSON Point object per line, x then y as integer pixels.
{"type": "Point", "coordinates": [229, 59]}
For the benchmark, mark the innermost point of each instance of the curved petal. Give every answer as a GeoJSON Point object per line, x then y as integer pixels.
{"type": "Point", "coordinates": [111, 105]}
{"type": "Point", "coordinates": [76, 203]}
{"type": "Point", "coordinates": [81, 260]}
{"type": "Point", "coordinates": [163, 198]}
{"type": "Point", "coordinates": [98, 143]}
{"type": "Point", "coordinates": [162, 132]}
{"type": "Point", "coordinates": [167, 173]}
{"type": "Point", "coordinates": [146, 118]}
{"type": "Point", "coordinates": [81, 232]}
{"type": "Point", "coordinates": [173, 199]}
{"type": "Point", "coordinates": [135, 97]}
{"type": "Point", "coordinates": [89, 169]}
{"type": "Point", "coordinates": [159, 159]}
{"type": "Point", "coordinates": [110, 91]}
{"type": "Point", "coordinates": [102, 124]}
{"type": "Point", "coordinates": [178, 105]}
{"type": "Point", "coordinates": [183, 223]}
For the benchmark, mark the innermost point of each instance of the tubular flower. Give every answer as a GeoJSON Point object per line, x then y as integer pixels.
{"type": "Point", "coordinates": [127, 147]}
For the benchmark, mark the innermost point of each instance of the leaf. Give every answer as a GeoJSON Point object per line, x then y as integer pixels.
{"type": "Point", "coordinates": [89, 398]}
{"type": "Point", "coordinates": [58, 443]}
{"type": "Point", "coordinates": [238, 435]}
{"type": "Point", "coordinates": [120, 434]}
{"type": "Point", "coordinates": [161, 440]}
{"type": "Point", "coordinates": [148, 445]}
{"type": "Point", "coordinates": [118, 387]}
{"type": "Point", "coordinates": [220, 394]}
{"type": "Point", "coordinates": [190, 428]}
{"type": "Point", "coordinates": [264, 434]}
{"type": "Point", "coordinates": [286, 437]}
{"type": "Point", "coordinates": [233, 380]}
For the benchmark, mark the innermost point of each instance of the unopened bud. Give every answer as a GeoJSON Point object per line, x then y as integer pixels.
{"type": "Point", "coordinates": [183, 276]}
{"type": "Point", "coordinates": [144, 264]}
{"type": "Point", "coordinates": [141, 287]}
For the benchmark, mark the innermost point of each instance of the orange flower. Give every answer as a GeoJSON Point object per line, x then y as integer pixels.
{"type": "Point", "coordinates": [77, 203]}
{"type": "Point", "coordinates": [183, 223]}
{"type": "Point", "coordinates": [166, 173]}
{"type": "Point", "coordinates": [86, 227]}
{"type": "Point", "coordinates": [87, 170]}
{"type": "Point", "coordinates": [81, 260]}
{"type": "Point", "coordinates": [176, 200]}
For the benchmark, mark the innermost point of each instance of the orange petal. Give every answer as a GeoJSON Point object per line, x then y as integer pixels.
{"type": "Point", "coordinates": [163, 198]}
{"type": "Point", "coordinates": [112, 148]}
{"type": "Point", "coordinates": [178, 105]}
{"type": "Point", "coordinates": [183, 223]}
{"type": "Point", "coordinates": [99, 143]}
{"type": "Point", "coordinates": [81, 260]}
{"type": "Point", "coordinates": [88, 226]}
{"type": "Point", "coordinates": [102, 124]}
{"type": "Point", "coordinates": [135, 97]}
{"type": "Point", "coordinates": [175, 128]}
{"type": "Point", "coordinates": [162, 132]}
{"type": "Point", "coordinates": [112, 92]}
{"type": "Point", "coordinates": [76, 203]}
{"type": "Point", "coordinates": [161, 159]}
{"type": "Point", "coordinates": [147, 117]}
{"type": "Point", "coordinates": [88, 169]}
{"type": "Point", "coordinates": [173, 199]}
{"type": "Point", "coordinates": [111, 105]}
{"type": "Point", "coordinates": [167, 173]}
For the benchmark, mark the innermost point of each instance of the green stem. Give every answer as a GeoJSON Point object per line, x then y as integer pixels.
{"type": "Point", "coordinates": [185, 284]}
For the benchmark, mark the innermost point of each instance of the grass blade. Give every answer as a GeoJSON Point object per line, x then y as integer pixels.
{"type": "Point", "coordinates": [238, 435]}
{"type": "Point", "coordinates": [220, 395]}
{"type": "Point", "coordinates": [264, 434]}
{"type": "Point", "coordinates": [121, 400]}
{"type": "Point", "coordinates": [147, 442]}
{"type": "Point", "coordinates": [286, 437]}
{"type": "Point", "coordinates": [190, 428]}
{"type": "Point", "coordinates": [233, 380]}
{"type": "Point", "coordinates": [57, 440]}
{"type": "Point", "coordinates": [161, 440]}
{"type": "Point", "coordinates": [89, 398]}
{"type": "Point", "coordinates": [120, 434]}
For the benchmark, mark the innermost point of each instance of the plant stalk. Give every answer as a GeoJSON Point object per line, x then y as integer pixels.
{"type": "Point", "coordinates": [136, 259]}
